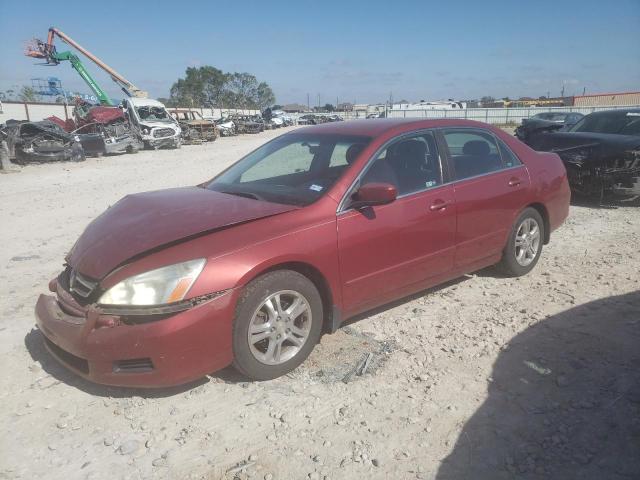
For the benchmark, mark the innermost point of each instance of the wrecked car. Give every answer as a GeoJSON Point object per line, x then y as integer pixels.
{"type": "Point", "coordinates": [246, 124]}
{"type": "Point", "coordinates": [40, 142]}
{"type": "Point", "coordinates": [250, 268]}
{"type": "Point", "coordinates": [226, 127]}
{"type": "Point", "coordinates": [195, 129]}
{"type": "Point", "coordinates": [307, 119]}
{"type": "Point", "coordinates": [157, 127]}
{"type": "Point", "coordinates": [101, 130]}
{"type": "Point", "coordinates": [601, 152]}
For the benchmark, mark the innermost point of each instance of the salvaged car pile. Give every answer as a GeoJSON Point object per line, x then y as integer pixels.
{"type": "Point", "coordinates": [250, 268]}
{"type": "Point", "coordinates": [601, 152]}
{"type": "Point", "coordinates": [315, 119]}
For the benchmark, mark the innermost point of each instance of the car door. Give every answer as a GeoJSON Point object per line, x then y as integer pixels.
{"type": "Point", "coordinates": [490, 186]}
{"type": "Point", "coordinates": [389, 250]}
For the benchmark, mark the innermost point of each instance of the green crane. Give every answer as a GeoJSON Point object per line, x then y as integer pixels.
{"type": "Point", "coordinates": [48, 52]}
{"type": "Point", "coordinates": [79, 67]}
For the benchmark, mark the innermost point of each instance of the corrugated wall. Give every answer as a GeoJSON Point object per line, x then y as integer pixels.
{"type": "Point", "coordinates": [630, 99]}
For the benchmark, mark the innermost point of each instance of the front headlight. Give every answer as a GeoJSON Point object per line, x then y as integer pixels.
{"type": "Point", "coordinates": [156, 287]}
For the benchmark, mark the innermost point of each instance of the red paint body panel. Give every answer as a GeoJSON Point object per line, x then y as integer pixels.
{"type": "Point", "coordinates": [145, 221]}
{"type": "Point", "coordinates": [182, 348]}
{"type": "Point", "coordinates": [486, 208]}
{"type": "Point", "coordinates": [394, 246]}
{"type": "Point", "coordinates": [366, 257]}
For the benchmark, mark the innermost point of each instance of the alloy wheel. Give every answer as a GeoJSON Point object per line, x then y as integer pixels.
{"type": "Point", "coordinates": [527, 241]}
{"type": "Point", "coordinates": [279, 327]}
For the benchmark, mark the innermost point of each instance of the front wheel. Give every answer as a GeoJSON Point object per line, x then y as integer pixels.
{"type": "Point", "coordinates": [524, 245]}
{"type": "Point", "coordinates": [278, 322]}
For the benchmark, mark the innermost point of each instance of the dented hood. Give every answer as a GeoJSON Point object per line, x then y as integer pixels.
{"type": "Point", "coordinates": [146, 221]}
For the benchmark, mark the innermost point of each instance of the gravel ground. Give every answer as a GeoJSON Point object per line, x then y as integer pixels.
{"type": "Point", "coordinates": [484, 377]}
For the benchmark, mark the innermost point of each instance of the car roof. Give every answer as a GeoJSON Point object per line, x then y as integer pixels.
{"type": "Point", "coordinates": [619, 111]}
{"type": "Point", "coordinates": [144, 102]}
{"type": "Point", "coordinates": [378, 126]}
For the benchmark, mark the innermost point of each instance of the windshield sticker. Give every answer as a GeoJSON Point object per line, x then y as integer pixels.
{"type": "Point", "coordinates": [315, 188]}
{"type": "Point", "coordinates": [430, 183]}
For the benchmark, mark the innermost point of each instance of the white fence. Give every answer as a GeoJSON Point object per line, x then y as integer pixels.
{"type": "Point", "coordinates": [496, 116]}
{"type": "Point", "coordinates": [39, 111]}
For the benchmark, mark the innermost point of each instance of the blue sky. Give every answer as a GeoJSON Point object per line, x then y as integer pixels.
{"type": "Point", "coordinates": [351, 50]}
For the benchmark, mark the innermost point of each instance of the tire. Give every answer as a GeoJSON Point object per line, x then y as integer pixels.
{"type": "Point", "coordinates": [253, 358]}
{"type": "Point", "coordinates": [520, 260]}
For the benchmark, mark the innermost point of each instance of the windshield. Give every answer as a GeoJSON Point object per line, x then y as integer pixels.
{"type": "Point", "coordinates": [294, 169]}
{"type": "Point", "coordinates": [157, 114]}
{"type": "Point", "coordinates": [616, 122]}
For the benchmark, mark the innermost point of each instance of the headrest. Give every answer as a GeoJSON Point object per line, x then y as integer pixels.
{"type": "Point", "coordinates": [476, 147]}
{"type": "Point", "coordinates": [410, 150]}
{"type": "Point", "coordinates": [353, 151]}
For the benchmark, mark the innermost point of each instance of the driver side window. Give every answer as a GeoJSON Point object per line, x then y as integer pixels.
{"type": "Point", "coordinates": [411, 164]}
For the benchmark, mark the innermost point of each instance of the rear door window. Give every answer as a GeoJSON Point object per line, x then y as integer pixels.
{"type": "Point", "coordinates": [473, 152]}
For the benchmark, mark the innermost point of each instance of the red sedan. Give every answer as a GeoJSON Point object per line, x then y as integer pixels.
{"type": "Point", "coordinates": [311, 228]}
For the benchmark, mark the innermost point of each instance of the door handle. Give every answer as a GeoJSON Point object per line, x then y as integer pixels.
{"type": "Point", "coordinates": [439, 205]}
{"type": "Point", "coordinates": [514, 182]}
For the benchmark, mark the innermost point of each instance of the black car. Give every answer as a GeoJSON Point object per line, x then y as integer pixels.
{"type": "Point", "coordinates": [601, 152]}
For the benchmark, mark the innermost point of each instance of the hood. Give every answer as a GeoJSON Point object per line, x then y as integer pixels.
{"type": "Point", "coordinates": [146, 221]}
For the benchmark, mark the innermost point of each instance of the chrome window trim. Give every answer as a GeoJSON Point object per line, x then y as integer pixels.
{"type": "Point", "coordinates": [413, 133]}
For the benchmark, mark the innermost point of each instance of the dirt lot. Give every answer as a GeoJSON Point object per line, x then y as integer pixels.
{"type": "Point", "coordinates": [485, 377]}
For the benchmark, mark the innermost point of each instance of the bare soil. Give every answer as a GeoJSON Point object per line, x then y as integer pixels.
{"type": "Point", "coordinates": [484, 377]}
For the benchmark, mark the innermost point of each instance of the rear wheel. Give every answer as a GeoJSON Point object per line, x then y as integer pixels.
{"type": "Point", "coordinates": [524, 245]}
{"type": "Point", "coordinates": [278, 322]}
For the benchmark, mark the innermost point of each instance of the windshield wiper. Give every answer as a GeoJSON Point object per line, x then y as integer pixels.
{"type": "Point", "coordinates": [252, 196]}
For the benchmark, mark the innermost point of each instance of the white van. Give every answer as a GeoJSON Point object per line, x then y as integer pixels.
{"type": "Point", "coordinates": [156, 125]}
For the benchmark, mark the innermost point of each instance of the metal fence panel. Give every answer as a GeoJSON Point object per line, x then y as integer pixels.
{"type": "Point", "coordinates": [496, 116]}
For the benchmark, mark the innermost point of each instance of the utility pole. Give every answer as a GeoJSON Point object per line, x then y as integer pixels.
{"type": "Point", "coordinates": [318, 101]}
{"type": "Point", "coordinates": [562, 91]}
{"type": "Point", "coordinates": [308, 104]}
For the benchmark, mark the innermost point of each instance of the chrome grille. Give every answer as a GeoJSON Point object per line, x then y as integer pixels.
{"type": "Point", "coordinates": [163, 132]}
{"type": "Point", "coordinates": [81, 285]}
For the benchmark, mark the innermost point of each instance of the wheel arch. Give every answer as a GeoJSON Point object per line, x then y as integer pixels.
{"type": "Point", "coordinates": [542, 210]}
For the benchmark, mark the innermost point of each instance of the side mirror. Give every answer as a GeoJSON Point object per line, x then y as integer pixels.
{"type": "Point", "coordinates": [371, 194]}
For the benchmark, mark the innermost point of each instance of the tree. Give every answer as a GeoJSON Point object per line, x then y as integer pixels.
{"type": "Point", "coordinates": [202, 86]}
{"type": "Point", "coordinates": [328, 107]}
{"type": "Point", "coordinates": [487, 99]}
{"type": "Point", "coordinates": [28, 94]}
{"type": "Point", "coordinates": [264, 96]}
{"type": "Point", "coordinates": [209, 87]}
{"type": "Point", "coordinates": [276, 107]}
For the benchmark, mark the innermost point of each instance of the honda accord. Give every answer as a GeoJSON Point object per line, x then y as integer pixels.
{"type": "Point", "coordinates": [250, 268]}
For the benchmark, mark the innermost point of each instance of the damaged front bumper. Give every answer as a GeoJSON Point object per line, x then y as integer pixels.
{"type": "Point", "coordinates": [138, 348]}
{"type": "Point", "coordinates": [589, 174]}
{"type": "Point", "coordinates": [162, 137]}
